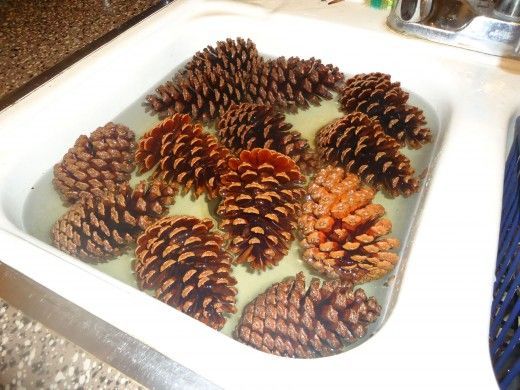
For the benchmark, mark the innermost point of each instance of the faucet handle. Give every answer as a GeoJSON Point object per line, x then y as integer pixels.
{"type": "Point", "coordinates": [508, 9]}
{"type": "Point", "coordinates": [413, 10]}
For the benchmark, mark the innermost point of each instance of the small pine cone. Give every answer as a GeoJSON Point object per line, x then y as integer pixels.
{"type": "Point", "coordinates": [375, 95]}
{"type": "Point", "coordinates": [233, 55]}
{"type": "Point", "coordinates": [97, 163]}
{"type": "Point", "coordinates": [288, 320]}
{"type": "Point", "coordinates": [302, 82]}
{"type": "Point", "coordinates": [213, 80]}
{"type": "Point", "coordinates": [261, 201]}
{"type": "Point", "coordinates": [359, 144]}
{"type": "Point", "coordinates": [96, 229]}
{"type": "Point", "coordinates": [343, 231]}
{"type": "Point", "coordinates": [247, 126]}
{"type": "Point", "coordinates": [184, 262]}
{"type": "Point", "coordinates": [183, 153]}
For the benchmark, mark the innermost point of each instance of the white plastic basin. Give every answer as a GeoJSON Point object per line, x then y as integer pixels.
{"type": "Point", "coordinates": [436, 336]}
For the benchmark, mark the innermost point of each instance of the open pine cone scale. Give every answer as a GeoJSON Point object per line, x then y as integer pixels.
{"type": "Point", "coordinates": [184, 262]}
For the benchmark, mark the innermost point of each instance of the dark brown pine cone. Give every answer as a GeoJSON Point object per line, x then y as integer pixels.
{"type": "Point", "coordinates": [98, 228]}
{"type": "Point", "coordinates": [247, 126]}
{"type": "Point", "coordinates": [183, 153]}
{"type": "Point", "coordinates": [184, 262]}
{"type": "Point", "coordinates": [343, 231]}
{"type": "Point", "coordinates": [359, 144]}
{"type": "Point", "coordinates": [288, 320]}
{"type": "Point", "coordinates": [213, 80]}
{"type": "Point", "coordinates": [375, 95]}
{"type": "Point", "coordinates": [96, 163]}
{"type": "Point", "coordinates": [300, 82]}
{"type": "Point", "coordinates": [261, 198]}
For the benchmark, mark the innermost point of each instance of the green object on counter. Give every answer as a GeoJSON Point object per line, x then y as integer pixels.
{"type": "Point", "coordinates": [380, 4]}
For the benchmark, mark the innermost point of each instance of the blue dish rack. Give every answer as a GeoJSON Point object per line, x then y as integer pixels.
{"type": "Point", "coordinates": [504, 332]}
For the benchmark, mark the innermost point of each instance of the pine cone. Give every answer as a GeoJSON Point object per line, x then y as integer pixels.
{"type": "Point", "coordinates": [183, 153]}
{"type": "Point", "coordinates": [96, 163]}
{"type": "Point", "coordinates": [213, 80]}
{"type": "Point", "coordinates": [343, 230]}
{"type": "Point", "coordinates": [248, 126]}
{"type": "Point", "coordinates": [375, 95]}
{"type": "Point", "coordinates": [359, 144]}
{"type": "Point", "coordinates": [288, 320]}
{"type": "Point", "coordinates": [261, 200]}
{"type": "Point", "coordinates": [301, 82]}
{"type": "Point", "coordinates": [96, 229]}
{"type": "Point", "coordinates": [184, 262]}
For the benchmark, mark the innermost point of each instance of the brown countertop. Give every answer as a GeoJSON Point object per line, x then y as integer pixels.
{"type": "Point", "coordinates": [39, 38]}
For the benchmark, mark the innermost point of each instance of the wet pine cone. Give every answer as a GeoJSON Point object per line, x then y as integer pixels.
{"type": "Point", "coordinates": [233, 72]}
{"type": "Point", "coordinates": [261, 198]}
{"type": "Point", "coordinates": [97, 163]}
{"type": "Point", "coordinates": [182, 152]}
{"type": "Point", "coordinates": [99, 228]}
{"type": "Point", "coordinates": [358, 144]}
{"type": "Point", "coordinates": [247, 126]}
{"type": "Point", "coordinates": [300, 83]}
{"type": "Point", "coordinates": [343, 230]}
{"type": "Point", "coordinates": [375, 95]}
{"type": "Point", "coordinates": [288, 320]}
{"type": "Point", "coordinates": [183, 261]}
{"type": "Point", "coordinates": [211, 81]}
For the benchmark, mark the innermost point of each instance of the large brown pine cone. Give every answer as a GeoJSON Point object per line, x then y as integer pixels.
{"type": "Point", "coordinates": [343, 231]}
{"type": "Point", "coordinates": [375, 95]}
{"type": "Point", "coordinates": [182, 152]}
{"type": "Point", "coordinates": [261, 201]}
{"type": "Point", "coordinates": [247, 126]}
{"type": "Point", "coordinates": [288, 320]}
{"type": "Point", "coordinates": [98, 228]}
{"type": "Point", "coordinates": [300, 82]}
{"type": "Point", "coordinates": [213, 80]}
{"type": "Point", "coordinates": [184, 262]}
{"type": "Point", "coordinates": [96, 163]}
{"type": "Point", "coordinates": [359, 144]}
{"type": "Point", "coordinates": [233, 72]}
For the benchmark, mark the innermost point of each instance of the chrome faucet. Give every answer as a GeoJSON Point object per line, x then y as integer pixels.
{"type": "Point", "coordinates": [487, 26]}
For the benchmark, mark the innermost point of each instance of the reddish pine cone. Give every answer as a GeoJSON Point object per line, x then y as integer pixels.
{"type": "Point", "coordinates": [261, 198]}
{"type": "Point", "coordinates": [300, 83]}
{"type": "Point", "coordinates": [96, 229]}
{"type": "Point", "coordinates": [97, 163]}
{"type": "Point", "coordinates": [247, 126]}
{"type": "Point", "coordinates": [183, 261]}
{"type": "Point", "coordinates": [343, 231]}
{"type": "Point", "coordinates": [183, 153]}
{"type": "Point", "coordinates": [375, 95]}
{"type": "Point", "coordinates": [359, 144]}
{"type": "Point", "coordinates": [213, 80]}
{"type": "Point", "coordinates": [288, 320]}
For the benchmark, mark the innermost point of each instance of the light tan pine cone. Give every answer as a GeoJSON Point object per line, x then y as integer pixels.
{"type": "Point", "coordinates": [182, 152]}
{"type": "Point", "coordinates": [213, 80]}
{"type": "Point", "coordinates": [99, 228]}
{"type": "Point", "coordinates": [185, 263]}
{"type": "Point", "coordinates": [247, 126]}
{"type": "Point", "coordinates": [300, 83]}
{"type": "Point", "coordinates": [261, 198]}
{"type": "Point", "coordinates": [343, 230]}
{"type": "Point", "coordinates": [359, 144]}
{"type": "Point", "coordinates": [375, 95]}
{"type": "Point", "coordinates": [96, 163]}
{"type": "Point", "coordinates": [288, 320]}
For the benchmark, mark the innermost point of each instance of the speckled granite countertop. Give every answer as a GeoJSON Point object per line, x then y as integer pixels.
{"type": "Point", "coordinates": [37, 39]}
{"type": "Point", "coordinates": [35, 36]}
{"type": "Point", "coordinates": [33, 357]}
